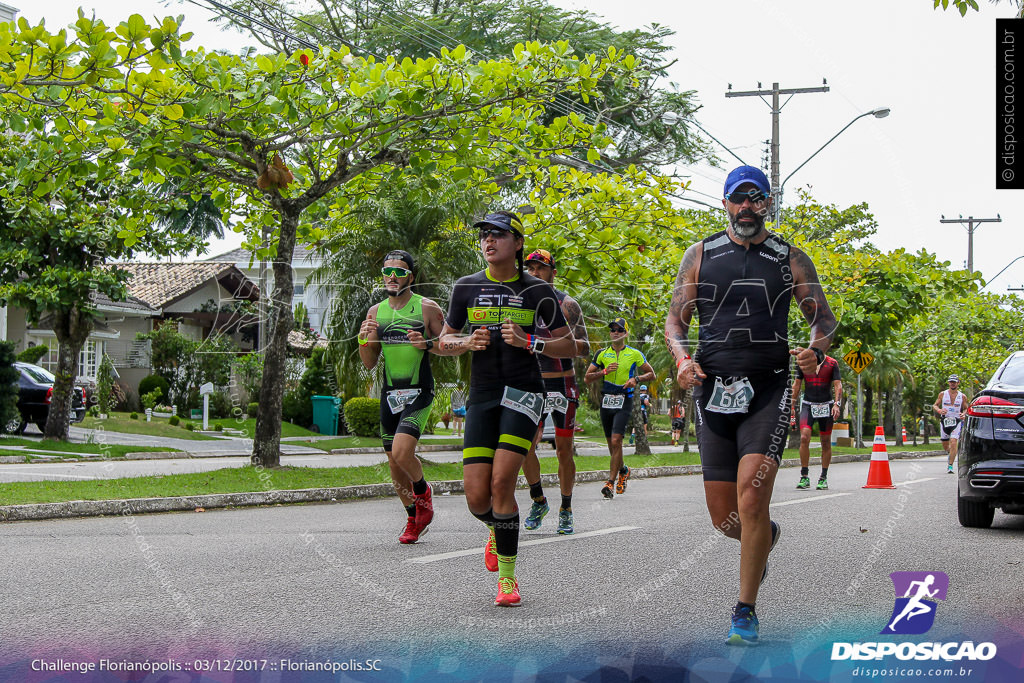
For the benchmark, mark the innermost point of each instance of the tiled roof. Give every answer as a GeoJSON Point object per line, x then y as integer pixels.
{"type": "Point", "coordinates": [158, 284]}
{"type": "Point", "coordinates": [305, 343]}
{"type": "Point", "coordinates": [244, 256]}
{"type": "Point", "coordinates": [130, 305]}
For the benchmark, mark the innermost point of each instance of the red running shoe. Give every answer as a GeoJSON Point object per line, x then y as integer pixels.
{"type": "Point", "coordinates": [491, 557]}
{"type": "Point", "coordinates": [424, 511]}
{"type": "Point", "coordinates": [411, 534]}
{"type": "Point", "coordinates": [508, 593]}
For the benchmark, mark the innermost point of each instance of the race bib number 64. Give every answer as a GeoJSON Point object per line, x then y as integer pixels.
{"type": "Point", "coordinates": [731, 396]}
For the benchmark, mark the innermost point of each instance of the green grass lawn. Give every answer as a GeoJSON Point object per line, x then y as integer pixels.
{"type": "Point", "coordinates": [368, 442]}
{"type": "Point", "coordinates": [249, 427]}
{"type": "Point", "coordinates": [120, 422]}
{"type": "Point", "coordinates": [110, 450]}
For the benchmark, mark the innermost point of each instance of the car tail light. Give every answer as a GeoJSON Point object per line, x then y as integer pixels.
{"type": "Point", "coordinates": [49, 394]}
{"type": "Point", "coordinates": [993, 406]}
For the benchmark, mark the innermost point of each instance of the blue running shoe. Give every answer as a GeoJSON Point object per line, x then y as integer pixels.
{"type": "Point", "coordinates": [776, 535]}
{"type": "Point", "coordinates": [744, 627]}
{"type": "Point", "coordinates": [565, 522]}
{"type": "Point", "coordinates": [537, 513]}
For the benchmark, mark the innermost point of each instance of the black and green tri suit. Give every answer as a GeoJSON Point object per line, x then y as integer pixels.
{"type": "Point", "coordinates": [506, 391]}
{"type": "Point", "coordinates": [408, 391]}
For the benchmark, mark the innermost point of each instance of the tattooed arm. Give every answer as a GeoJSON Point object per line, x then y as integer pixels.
{"type": "Point", "coordinates": [810, 297]}
{"type": "Point", "coordinates": [680, 312]}
{"type": "Point", "coordinates": [574, 317]}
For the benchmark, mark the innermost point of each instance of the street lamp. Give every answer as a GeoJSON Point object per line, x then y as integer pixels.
{"type": "Point", "coordinates": [879, 113]}
{"type": "Point", "coordinates": [671, 119]}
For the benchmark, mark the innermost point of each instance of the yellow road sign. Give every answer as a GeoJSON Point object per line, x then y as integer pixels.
{"type": "Point", "coordinates": [858, 360]}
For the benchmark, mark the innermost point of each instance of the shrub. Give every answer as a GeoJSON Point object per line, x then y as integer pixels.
{"type": "Point", "coordinates": [220, 405]}
{"type": "Point", "coordinates": [93, 411]}
{"type": "Point", "coordinates": [218, 427]}
{"type": "Point", "coordinates": [363, 416]}
{"type": "Point", "coordinates": [133, 416]}
{"type": "Point", "coordinates": [190, 427]}
{"type": "Point", "coordinates": [252, 409]}
{"type": "Point", "coordinates": [151, 399]}
{"type": "Point", "coordinates": [297, 408]}
{"type": "Point", "coordinates": [151, 383]}
{"type": "Point", "coordinates": [174, 420]}
{"type": "Point", "coordinates": [105, 385]}
{"type": "Point", "coordinates": [33, 353]}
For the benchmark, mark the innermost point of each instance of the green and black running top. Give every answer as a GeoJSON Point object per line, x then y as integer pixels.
{"type": "Point", "coordinates": [630, 361]}
{"type": "Point", "coordinates": [480, 301]}
{"type": "Point", "coordinates": [405, 366]}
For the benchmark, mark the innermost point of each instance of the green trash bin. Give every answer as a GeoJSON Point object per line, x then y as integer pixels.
{"type": "Point", "coordinates": [325, 414]}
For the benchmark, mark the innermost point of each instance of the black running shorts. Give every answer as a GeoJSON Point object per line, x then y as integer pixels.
{"type": "Point", "coordinates": [614, 421]}
{"type": "Point", "coordinates": [723, 439]}
{"type": "Point", "coordinates": [564, 387]}
{"type": "Point", "coordinates": [824, 423]}
{"type": "Point", "coordinates": [410, 418]}
{"type": "Point", "coordinates": [491, 425]}
{"type": "Point", "coordinates": [677, 424]}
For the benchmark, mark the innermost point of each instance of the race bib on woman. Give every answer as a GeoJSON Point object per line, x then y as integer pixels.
{"type": "Point", "coordinates": [526, 402]}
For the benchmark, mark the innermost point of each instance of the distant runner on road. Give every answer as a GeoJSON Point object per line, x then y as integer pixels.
{"type": "Point", "coordinates": [950, 408]}
{"type": "Point", "coordinates": [820, 405]}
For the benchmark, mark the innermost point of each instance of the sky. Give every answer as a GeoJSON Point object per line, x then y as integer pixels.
{"type": "Point", "coordinates": [933, 155]}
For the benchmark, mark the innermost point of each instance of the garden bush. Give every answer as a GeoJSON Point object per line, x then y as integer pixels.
{"type": "Point", "coordinates": [220, 405]}
{"type": "Point", "coordinates": [252, 409]}
{"type": "Point", "coordinates": [32, 354]}
{"type": "Point", "coordinates": [174, 420]}
{"type": "Point", "coordinates": [133, 416]}
{"type": "Point", "coordinates": [152, 382]}
{"type": "Point", "coordinates": [363, 416]}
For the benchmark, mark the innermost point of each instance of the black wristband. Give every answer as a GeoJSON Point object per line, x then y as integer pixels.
{"type": "Point", "coordinates": [430, 344]}
{"type": "Point", "coordinates": [819, 355]}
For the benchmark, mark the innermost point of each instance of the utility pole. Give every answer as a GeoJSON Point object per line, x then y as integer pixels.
{"type": "Point", "coordinates": [776, 108]}
{"type": "Point", "coordinates": [971, 227]}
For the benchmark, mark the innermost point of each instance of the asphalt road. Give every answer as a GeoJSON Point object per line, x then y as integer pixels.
{"type": "Point", "coordinates": [644, 586]}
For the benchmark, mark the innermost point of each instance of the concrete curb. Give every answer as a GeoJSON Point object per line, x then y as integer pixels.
{"type": "Point", "coordinates": [133, 506]}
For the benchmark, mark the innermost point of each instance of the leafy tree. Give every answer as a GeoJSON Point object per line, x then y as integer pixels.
{"type": "Point", "coordinates": [250, 371]}
{"type": "Point", "coordinates": [190, 209]}
{"type": "Point", "coordinates": [9, 416]}
{"type": "Point", "coordinates": [187, 363]}
{"type": "Point", "coordinates": [68, 210]}
{"type": "Point", "coordinates": [490, 28]}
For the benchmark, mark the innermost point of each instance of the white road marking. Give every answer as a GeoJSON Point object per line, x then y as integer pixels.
{"type": "Point", "coordinates": [807, 500]}
{"type": "Point", "coordinates": [914, 481]}
{"type": "Point", "coordinates": [555, 539]}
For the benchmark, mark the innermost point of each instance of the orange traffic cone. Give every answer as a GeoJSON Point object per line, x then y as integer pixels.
{"type": "Point", "coordinates": [904, 435]}
{"type": "Point", "coordinates": [879, 476]}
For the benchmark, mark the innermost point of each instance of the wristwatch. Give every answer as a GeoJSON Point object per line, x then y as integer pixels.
{"type": "Point", "coordinates": [430, 344]}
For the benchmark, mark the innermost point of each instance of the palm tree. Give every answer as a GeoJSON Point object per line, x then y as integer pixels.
{"type": "Point", "coordinates": [199, 218]}
{"type": "Point", "coordinates": [431, 225]}
{"type": "Point", "coordinates": [890, 370]}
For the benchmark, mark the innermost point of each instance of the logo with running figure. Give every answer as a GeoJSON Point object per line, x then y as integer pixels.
{"type": "Point", "coordinates": [916, 593]}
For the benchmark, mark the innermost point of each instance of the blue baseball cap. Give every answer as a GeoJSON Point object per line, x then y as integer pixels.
{"type": "Point", "coordinates": [747, 174]}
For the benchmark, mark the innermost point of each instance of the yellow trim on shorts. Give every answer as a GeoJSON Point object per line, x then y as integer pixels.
{"type": "Point", "coordinates": [478, 452]}
{"type": "Point", "coordinates": [516, 441]}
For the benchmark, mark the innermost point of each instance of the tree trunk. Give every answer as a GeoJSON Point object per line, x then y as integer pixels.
{"type": "Point", "coordinates": [869, 396]}
{"type": "Point", "coordinates": [71, 327]}
{"type": "Point", "coordinates": [642, 447]}
{"type": "Point", "coordinates": [897, 410]}
{"type": "Point", "coordinates": [266, 448]}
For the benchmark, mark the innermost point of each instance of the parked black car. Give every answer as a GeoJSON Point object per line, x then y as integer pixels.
{"type": "Point", "coordinates": [991, 450]}
{"type": "Point", "coordinates": [35, 389]}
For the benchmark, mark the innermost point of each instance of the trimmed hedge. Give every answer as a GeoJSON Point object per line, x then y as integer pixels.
{"type": "Point", "coordinates": [174, 420]}
{"type": "Point", "coordinates": [151, 382]}
{"type": "Point", "coordinates": [252, 409]}
{"type": "Point", "coordinates": [362, 415]}
{"type": "Point", "coordinates": [33, 353]}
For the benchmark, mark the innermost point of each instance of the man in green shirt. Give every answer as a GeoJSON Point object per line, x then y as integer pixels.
{"type": "Point", "coordinates": [401, 328]}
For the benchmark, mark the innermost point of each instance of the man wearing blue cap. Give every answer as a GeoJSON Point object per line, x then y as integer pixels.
{"type": "Point", "coordinates": [740, 282]}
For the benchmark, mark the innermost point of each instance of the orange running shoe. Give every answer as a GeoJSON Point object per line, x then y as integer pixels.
{"type": "Point", "coordinates": [508, 593]}
{"type": "Point", "coordinates": [490, 557]}
{"type": "Point", "coordinates": [620, 485]}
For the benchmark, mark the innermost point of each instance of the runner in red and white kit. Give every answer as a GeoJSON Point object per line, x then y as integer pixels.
{"type": "Point", "coordinates": [562, 399]}
{"type": "Point", "coordinates": [820, 404]}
